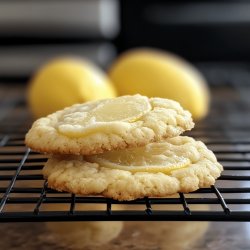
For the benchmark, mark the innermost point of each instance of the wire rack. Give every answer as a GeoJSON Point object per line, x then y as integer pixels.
{"type": "Point", "coordinates": [26, 197]}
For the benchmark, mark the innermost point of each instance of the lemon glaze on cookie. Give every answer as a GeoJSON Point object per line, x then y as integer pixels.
{"type": "Point", "coordinates": [105, 116]}
{"type": "Point", "coordinates": [155, 157]}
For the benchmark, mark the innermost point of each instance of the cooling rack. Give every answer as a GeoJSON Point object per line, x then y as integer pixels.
{"type": "Point", "coordinates": [26, 197]}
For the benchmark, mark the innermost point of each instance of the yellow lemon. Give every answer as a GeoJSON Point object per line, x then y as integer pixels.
{"type": "Point", "coordinates": [160, 74]}
{"type": "Point", "coordinates": [65, 81]}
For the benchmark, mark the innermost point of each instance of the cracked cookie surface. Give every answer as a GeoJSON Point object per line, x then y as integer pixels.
{"type": "Point", "coordinates": [81, 175]}
{"type": "Point", "coordinates": [111, 124]}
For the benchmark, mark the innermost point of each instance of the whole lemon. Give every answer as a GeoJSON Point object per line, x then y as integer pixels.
{"type": "Point", "coordinates": [159, 74]}
{"type": "Point", "coordinates": [65, 81]}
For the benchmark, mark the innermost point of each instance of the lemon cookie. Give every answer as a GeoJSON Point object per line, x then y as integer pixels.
{"type": "Point", "coordinates": [110, 124]}
{"type": "Point", "coordinates": [179, 164]}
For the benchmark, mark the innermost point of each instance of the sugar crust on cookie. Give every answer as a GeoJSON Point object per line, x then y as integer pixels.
{"type": "Point", "coordinates": [165, 119]}
{"type": "Point", "coordinates": [76, 175]}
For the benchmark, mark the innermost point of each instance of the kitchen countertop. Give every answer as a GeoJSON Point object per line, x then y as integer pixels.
{"type": "Point", "coordinates": [134, 235]}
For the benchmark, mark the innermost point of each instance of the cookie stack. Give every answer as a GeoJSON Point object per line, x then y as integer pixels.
{"type": "Point", "coordinates": [123, 148]}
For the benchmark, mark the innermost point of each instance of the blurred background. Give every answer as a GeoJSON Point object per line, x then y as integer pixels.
{"type": "Point", "coordinates": [32, 32]}
{"type": "Point", "coordinates": [214, 35]}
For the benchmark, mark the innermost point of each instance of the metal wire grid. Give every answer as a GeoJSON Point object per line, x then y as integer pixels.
{"type": "Point", "coordinates": [228, 201]}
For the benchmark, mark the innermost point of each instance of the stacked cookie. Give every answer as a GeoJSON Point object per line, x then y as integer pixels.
{"type": "Point", "coordinates": [123, 148]}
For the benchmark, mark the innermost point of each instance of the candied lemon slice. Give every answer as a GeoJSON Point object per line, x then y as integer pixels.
{"type": "Point", "coordinates": [103, 116]}
{"type": "Point", "coordinates": [155, 157]}
{"type": "Point", "coordinates": [125, 108]}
